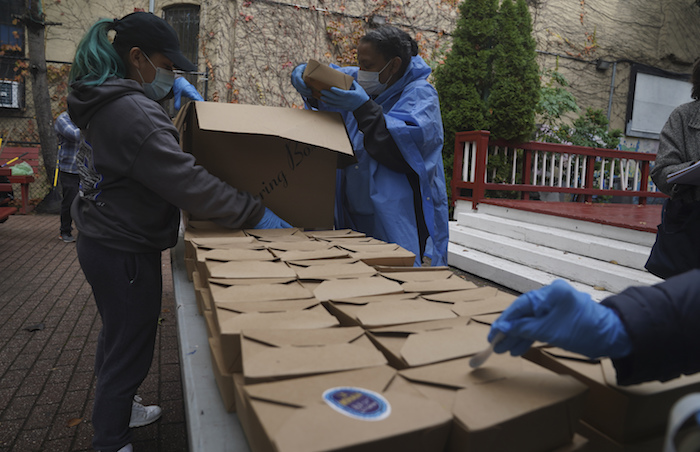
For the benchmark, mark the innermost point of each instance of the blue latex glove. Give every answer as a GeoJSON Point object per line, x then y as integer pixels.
{"type": "Point", "coordinates": [298, 81]}
{"type": "Point", "coordinates": [271, 221]}
{"type": "Point", "coordinates": [181, 87]}
{"type": "Point", "coordinates": [564, 317]}
{"type": "Point", "coordinates": [349, 100]}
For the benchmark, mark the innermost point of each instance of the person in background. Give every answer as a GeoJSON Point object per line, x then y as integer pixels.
{"type": "Point", "coordinates": [134, 180]}
{"type": "Point", "coordinates": [650, 333]}
{"type": "Point", "coordinates": [182, 87]}
{"type": "Point", "coordinates": [396, 192]}
{"type": "Point", "coordinates": [68, 143]}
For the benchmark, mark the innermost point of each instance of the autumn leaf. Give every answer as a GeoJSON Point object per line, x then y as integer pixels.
{"type": "Point", "coordinates": [75, 421]}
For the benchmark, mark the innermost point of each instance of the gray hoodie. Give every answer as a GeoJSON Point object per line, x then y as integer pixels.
{"type": "Point", "coordinates": [134, 176]}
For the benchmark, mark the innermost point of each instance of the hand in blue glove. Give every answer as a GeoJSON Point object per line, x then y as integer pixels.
{"type": "Point", "coordinates": [181, 87]}
{"type": "Point", "coordinates": [271, 221]}
{"type": "Point", "coordinates": [298, 81]}
{"type": "Point", "coordinates": [349, 100]}
{"type": "Point", "coordinates": [564, 317]}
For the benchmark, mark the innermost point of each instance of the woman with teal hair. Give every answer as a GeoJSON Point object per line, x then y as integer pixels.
{"type": "Point", "coordinates": [134, 179]}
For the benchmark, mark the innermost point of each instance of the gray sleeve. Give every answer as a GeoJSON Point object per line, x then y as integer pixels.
{"type": "Point", "coordinates": [672, 155]}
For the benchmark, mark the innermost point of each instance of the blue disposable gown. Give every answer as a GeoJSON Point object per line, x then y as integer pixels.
{"type": "Point", "coordinates": [378, 201]}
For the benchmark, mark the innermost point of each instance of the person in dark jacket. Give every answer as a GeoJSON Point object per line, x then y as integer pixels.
{"type": "Point", "coordinates": [68, 144]}
{"type": "Point", "coordinates": [650, 333]}
{"type": "Point", "coordinates": [396, 191]}
{"type": "Point", "coordinates": [134, 179]}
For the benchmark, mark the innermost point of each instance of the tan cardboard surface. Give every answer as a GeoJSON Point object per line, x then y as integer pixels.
{"type": "Point", "coordinates": [434, 286]}
{"type": "Point", "coordinates": [297, 245]}
{"type": "Point", "coordinates": [283, 411]}
{"type": "Point", "coordinates": [267, 306]}
{"type": "Point", "coordinates": [224, 379]}
{"type": "Point", "coordinates": [424, 274]}
{"type": "Point", "coordinates": [243, 241]}
{"type": "Point", "coordinates": [334, 270]}
{"type": "Point", "coordinates": [314, 262]}
{"type": "Point", "coordinates": [263, 292]}
{"type": "Point", "coordinates": [277, 354]}
{"type": "Point", "coordinates": [327, 254]}
{"type": "Point", "coordinates": [360, 287]}
{"type": "Point", "coordinates": [286, 156]}
{"type": "Point", "coordinates": [277, 235]}
{"type": "Point", "coordinates": [235, 254]}
{"type": "Point", "coordinates": [321, 77]}
{"type": "Point", "coordinates": [381, 254]}
{"type": "Point", "coordinates": [384, 312]}
{"type": "Point", "coordinates": [480, 293]}
{"type": "Point", "coordinates": [626, 414]}
{"type": "Point", "coordinates": [507, 404]}
{"type": "Point", "coordinates": [227, 282]}
{"type": "Point", "coordinates": [335, 234]}
{"type": "Point", "coordinates": [250, 269]}
{"type": "Point", "coordinates": [418, 344]}
{"type": "Point", "coordinates": [496, 304]}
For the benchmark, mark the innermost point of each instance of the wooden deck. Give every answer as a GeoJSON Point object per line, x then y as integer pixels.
{"type": "Point", "coordinates": [630, 216]}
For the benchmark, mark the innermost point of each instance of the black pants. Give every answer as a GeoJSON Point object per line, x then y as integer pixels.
{"type": "Point", "coordinates": [70, 184]}
{"type": "Point", "coordinates": [127, 289]}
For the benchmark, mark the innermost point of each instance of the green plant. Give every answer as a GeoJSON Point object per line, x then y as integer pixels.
{"type": "Point", "coordinates": [555, 101]}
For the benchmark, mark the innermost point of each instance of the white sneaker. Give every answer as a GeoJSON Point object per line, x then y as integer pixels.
{"type": "Point", "coordinates": [142, 415]}
{"type": "Point", "coordinates": [127, 448]}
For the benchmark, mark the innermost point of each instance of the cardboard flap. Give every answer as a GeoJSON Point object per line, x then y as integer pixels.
{"type": "Point", "coordinates": [336, 271]}
{"type": "Point", "coordinates": [228, 282]}
{"type": "Point", "coordinates": [464, 295]}
{"type": "Point", "coordinates": [402, 269]}
{"type": "Point", "coordinates": [486, 319]}
{"type": "Point", "coordinates": [419, 327]}
{"type": "Point", "coordinates": [435, 346]}
{"type": "Point", "coordinates": [300, 338]}
{"type": "Point", "coordinates": [335, 234]}
{"type": "Point", "coordinates": [419, 276]}
{"type": "Point", "coordinates": [490, 306]}
{"type": "Point", "coordinates": [252, 269]}
{"type": "Point", "coordinates": [309, 390]}
{"type": "Point", "coordinates": [289, 123]}
{"type": "Point", "coordinates": [357, 247]}
{"type": "Point", "coordinates": [330, 253]}
{"type": "Point", "coordinates": [349, 288]}
{"type": "Point", "coordinates": [268, 306]}
{"type": "Point", "coordinates": [236, 254]}
{"type": "Point", "coordinates": [263, 292]}
{"type": "Point", "coordinates": [374, 298]}
{"type": "Point", "coordinates": [401, 311]}
{"type": "Point", "coordinates": [292, 361]}
{"type": "Point", "coordinates": [227, 242]}
{"type": "Point", "coordinates": [306, 319]}
{"type": "Point", "coordinates": [442, 285]}
{"type": "Point", "coordinates": [272, 235]}
{"type": "Point", "coordinates": [306, 245]}
{"type": "Point", "coordinates": [316, 262]}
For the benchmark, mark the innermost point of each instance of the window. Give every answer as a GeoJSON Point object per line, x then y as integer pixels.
{"type": "Point", "coordinates": [11, 51]}
{"type": "Point", "coordinates": [653, 95]}
{"type": "Point", "coordinates": [185, 21]}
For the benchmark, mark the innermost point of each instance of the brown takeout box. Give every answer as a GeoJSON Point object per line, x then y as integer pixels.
{"type": "Point", "coordinates": [293, 415]}
{"type": "Point", "coordinates": [508, 404]}
{"type": "Point", "coordinates": [318, 77]}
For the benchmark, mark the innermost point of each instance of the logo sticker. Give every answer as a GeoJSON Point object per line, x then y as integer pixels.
{"type": "Point", "coordinates": [358, 403]}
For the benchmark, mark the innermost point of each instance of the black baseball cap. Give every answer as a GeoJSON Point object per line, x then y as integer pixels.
{"type": "Point", "coordinates": [150, 32]}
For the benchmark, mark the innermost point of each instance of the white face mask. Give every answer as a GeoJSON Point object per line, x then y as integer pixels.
{"type": "Point", "coordinates": [369, 81]}
{"type": "Point", "coordinates": [161, 85]}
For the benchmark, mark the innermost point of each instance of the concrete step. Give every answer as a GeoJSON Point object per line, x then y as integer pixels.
{"type": "Point", "coordinates": [588, 271]}
{"type": "Point", "coordinates": [584, 227]}
{"type": "Point", "coordinates": [623, 253]}
{"type": "Point", "coordinates": [518, 277]}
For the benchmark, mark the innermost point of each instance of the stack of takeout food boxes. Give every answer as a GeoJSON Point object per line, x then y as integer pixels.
{"type": "Point", "coordinates": [327, 339]}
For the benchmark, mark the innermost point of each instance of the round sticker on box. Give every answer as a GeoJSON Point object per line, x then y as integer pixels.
{"type": "Point", "coordinates": [358, 403]}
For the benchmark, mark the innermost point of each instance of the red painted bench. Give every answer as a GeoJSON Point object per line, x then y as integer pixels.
{"type": "Point", "coordinates": [32, 158]}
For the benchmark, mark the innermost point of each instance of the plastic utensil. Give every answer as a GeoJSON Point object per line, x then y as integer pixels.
{"type": "Point", "coordinates": [481, 357]}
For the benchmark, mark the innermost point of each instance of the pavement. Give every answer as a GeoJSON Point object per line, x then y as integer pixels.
{"type": "Point", "coordinates": [48, 333]}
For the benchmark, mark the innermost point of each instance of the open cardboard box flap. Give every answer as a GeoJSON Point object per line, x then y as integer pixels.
{"type": "Point", "coordinates": [235, 254]}
{"type": "Point", "coordinates": [267, 306]}
{"type": "Point", "coordinates": [434, 286]}
{"type": "Point", "coordinates": [250, 269]}
{"type": "Point", "coordinates": [262, 292]}
{"type": "Point", "coordinates": [360, 287]}
{"type": "Point", "coordinates": [480, 293]}
{"type": "Point", "coordinates": [245, 242]}
{"type": "Point", "coordinates": [489, 306]}
{"type": "Point", "coordinates": [307, 245]}
{"type": "Point", "coordinates": [418, 344]}
{"type": "Point", "coordinates": [334, 270]}
{"type": "Point", "coordinates": [413, 422]}
{"type": "Point", "coordinates": [336, 234]}
{"type": "Point", "coordinates": [507, 404]}
{"type": "Point", "coordinates": [419, 276]}
{"type": "Point", "coordinates": [327, 254]}
{"type": "Point", "coordinates": [276, 354]}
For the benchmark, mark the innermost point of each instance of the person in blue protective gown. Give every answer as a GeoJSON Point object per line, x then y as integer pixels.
{"type": "Point", "coordinates": [396, 190]}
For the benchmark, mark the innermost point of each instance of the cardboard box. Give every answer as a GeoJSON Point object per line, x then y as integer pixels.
{"type": "Point", "coordinates": [286, 156]}
{"type": "Point", "coordinates": [368, 410]}
{"type": "Point", "coordinates": [374, 312]}
{"type": "Point", "coordinates": [230, 325]}
{"type": "Point", "coordinates": [418, 344]}
{"type": "Point", "coordinates": [508, 404]}
{"type": "Point", "coordinates": [389, 254]}
{"type": "Point", "coordinates": [359, 287]}
{"type": "Point", "coordinates": [626, 414]}
{"type": "Point", "coordinates": [333, 270]}
{"type": "Point", "coordinates": [319, 76]}
{"type": "Point", "coordinates": [262, 292]}
{"type": "Point", "coordinates": [279, 354]}
{"type": "Point", "coordinates": [237, 270]}
{"type": "Point", "coordinates": [224, 379]}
